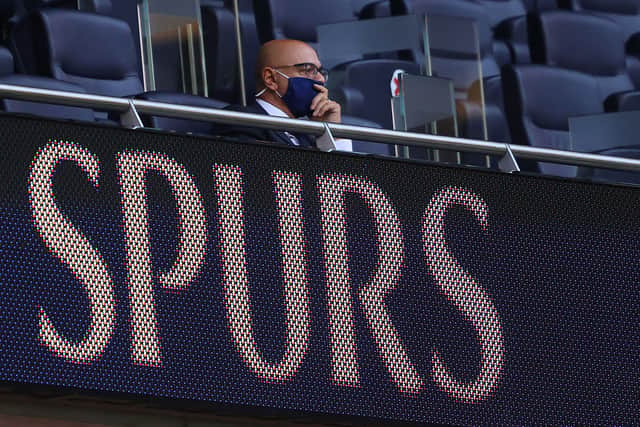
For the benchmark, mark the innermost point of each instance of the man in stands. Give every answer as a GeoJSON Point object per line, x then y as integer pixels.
{"type": "Point", "coordinates": [290, 83]}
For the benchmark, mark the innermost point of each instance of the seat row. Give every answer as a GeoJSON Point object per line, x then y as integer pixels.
{"type": "Point", "coordinates": [582, 65]}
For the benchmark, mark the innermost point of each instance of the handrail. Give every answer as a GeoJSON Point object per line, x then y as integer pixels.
{"type": "Point", "coordinates": [123, 105]}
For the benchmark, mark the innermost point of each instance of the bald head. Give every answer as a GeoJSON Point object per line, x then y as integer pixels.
{"type": "Point", "coordinates": [277, 53]}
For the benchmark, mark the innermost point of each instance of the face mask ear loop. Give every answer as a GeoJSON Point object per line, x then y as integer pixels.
{"type": "Point", "coordinates": [259, 94]}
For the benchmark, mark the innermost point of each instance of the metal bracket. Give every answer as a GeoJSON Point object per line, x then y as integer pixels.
{"type": "Point", "coordinates": [325, 142]}
{"type": "Point", "coordinates": [130, 118]}
{"type": "Point", "coordinates": [508, 162]}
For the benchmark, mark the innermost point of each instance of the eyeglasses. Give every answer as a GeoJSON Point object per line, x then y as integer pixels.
{"type": "Point", "coordinates": [308, 69]}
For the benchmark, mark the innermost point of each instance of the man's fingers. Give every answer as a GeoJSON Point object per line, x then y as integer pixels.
{"type": "Point", "coordinates": [327, 107]}
{"type": "Point", "coordinates": [322, 108]}
{"type": "Point", "coordinates": [320, 97]}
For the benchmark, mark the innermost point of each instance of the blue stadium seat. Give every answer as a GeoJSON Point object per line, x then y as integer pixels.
{"type": "Point", "coordinates": [584, 43]}
{"type": "Point", "coordinates": [97, 53]}
{"type": "Point", "coordinates": [625, 13]}
{"type": "Point", "coordinates": [7, 76]}
{"type": "Point", "coordinates": [365, 88]}
{"type": "Point", "coordinates": [367, 147]}
{"type": "Point", "coordinates": [505, 17]}
{"type": "Point", "coordinates": [93, 51]}
{"type": "Point", "coordinates": [181, 125]}
{"type": "Point", "coordinates": [614, 176]}
{"type": "Point", "coordinates": [295, 19]}
{"type": "Point", "coordinates": [220, 48]}
{"type": "Point", "coordinates": [370, 9]}
{"type": "Point", "coordinates": [502, 10]}
{"type": "Point", "coordinates": [539, 101]}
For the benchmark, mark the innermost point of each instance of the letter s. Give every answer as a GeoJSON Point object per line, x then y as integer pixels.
{"type": "Point", "coordinates": [467, 295]}
{"type": "Point", "coordinates": [73, 249]}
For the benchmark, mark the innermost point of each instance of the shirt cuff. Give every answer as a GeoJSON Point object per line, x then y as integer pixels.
{"type": "Point", "coordinates": [343, 144]}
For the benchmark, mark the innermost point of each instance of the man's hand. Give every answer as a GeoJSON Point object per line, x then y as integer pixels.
{"type": "Point", "coordinates": [324, 109]}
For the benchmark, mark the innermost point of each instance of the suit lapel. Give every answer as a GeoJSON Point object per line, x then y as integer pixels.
{"type": "Point", "coordinates": [279, 136]}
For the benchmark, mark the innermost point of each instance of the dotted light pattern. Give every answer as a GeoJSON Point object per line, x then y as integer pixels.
{"type": "Point", "coordinates": [466, 294]}
{"type": "Point", "coordinates": [288, 187]}
{"type": "Point", "coordinates": [332, 189]}
{"type": "Point", "coordinates": [133, 167]}
{"type": "Point", "coordinates": [72, 248]}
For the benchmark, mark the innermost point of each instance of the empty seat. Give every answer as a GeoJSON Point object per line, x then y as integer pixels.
{"type": "Point", "coordinates": [369, 9]}
{"type": "Point", "coordinates": [507, 20]}
{"type": "Point", "coordinates": [502, 10]}
{"type": "Point", "coordinates": [7, 76]}
{"type": "Point", "coordinates": [295, 19]}
{"type": "Point", "coordinates": [539, 101]}
{"type": "Point", "coordinates": [93, 51]}
{"type": "Point", "coordinates": [365, 92]}
{"type": "Point", "coordinates": [181, 125]}
{"type": "Point", "coordinates": [625, 13]}
{"type": "Point", "coordinates": [218, 28]}
{"type": "Point", "coordinates": [367, 147]}
{"type": "Point", "coordinates": [614, 176]}
{"type": "Point", "coordinates": [582, 42]}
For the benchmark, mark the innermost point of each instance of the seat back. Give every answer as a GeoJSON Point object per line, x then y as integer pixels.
{"type": "Point", "coordinates": [581, 42]}
{"type": "Point", "coordinates": [539, 101]}
{"type": "Point", "coordinates": [93, 51]}
{"type": "Point", "coordinates": [180, 125]}
{"type": "Point", "coordinates": [7, 76]}
{"type": "Point", "coordinates": [460, 67]}
{"type": "Point", "coordinates": [614, 176]}
{"type": "Point", "coordinates": [365, 90]}
{"type": "Point", "coordinates": [218, 28]}
{"type": "Point", "coordinates": [295, 19]}
{"type": "Point", "coordinates": [502, 10]}
{"type": "Point", "coordinates": [626, 13]}
{"type": "Point", "coordinates": [367, 147]}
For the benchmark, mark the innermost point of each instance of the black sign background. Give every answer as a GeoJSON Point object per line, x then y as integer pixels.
{"type": "Point", "coordinates": [559, 260]}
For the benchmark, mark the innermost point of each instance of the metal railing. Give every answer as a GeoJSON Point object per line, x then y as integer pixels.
{"type": "Point", "coordinates": [129, 109]}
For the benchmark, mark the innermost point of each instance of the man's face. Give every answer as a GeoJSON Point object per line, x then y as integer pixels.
{"type": "Point", "coordinates": [297, 60]}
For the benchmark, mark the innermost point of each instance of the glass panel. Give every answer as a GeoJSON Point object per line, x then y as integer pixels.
{"type": "Point", "coordinates": [453, 50]}
{"type": "Point", "coordinates": [172, 46]}
{"type": "Point", "coordinates": [426, 105]}
{"type": "Point", "coordinates": [614, 134]}
{"type": "Point", "coordinates": [347, 41]}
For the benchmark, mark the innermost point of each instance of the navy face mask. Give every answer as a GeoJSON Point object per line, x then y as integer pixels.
{"type": "Point", "coordinates": [299, 95]}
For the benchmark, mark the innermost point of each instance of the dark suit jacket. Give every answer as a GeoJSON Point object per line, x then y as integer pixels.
{"type": "Point", "coordinates": [250, 133]}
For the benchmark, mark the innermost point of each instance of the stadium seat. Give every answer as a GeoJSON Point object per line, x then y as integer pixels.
{"type": "Point", "coordinates": [218, 28]}
{"type": "Point", "coordinates": [625, 13]}
{"type": "Point", "coordinates": [295, 19]}
{"type": "Point", "coordinates": [502, 10]}
{"type": "Point", "coordinates": [613, 176]}
{"type": "Point", "coordinates": [539, 101]}
{"type": "Point", "coordinates": [180, 125]}
{"type": "Point", "coordinates": [93, 51]}
{"type": "Point", "coordinates": [505, 18]}
{"type": "Point", "coordinates": [367, 147]}
{"type": "Point", "coordinates": [582, 42]}
{"type": "Point", "coordinates": [370, 9]}
{"type": "Point", "coordinates": [365, 91]}
{"type": "Point", "coordinates": [7, 76]}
